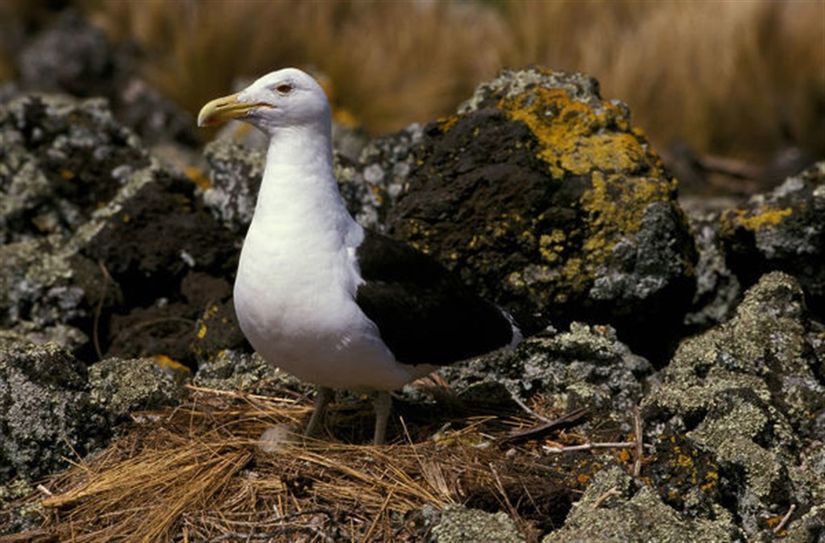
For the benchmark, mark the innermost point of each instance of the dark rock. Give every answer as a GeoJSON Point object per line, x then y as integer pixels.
{"type": "Point", "coordinates": [585, 367]}
{"type": "Point", "coordinates": [782, 230]}
{"type": "Point", "coordinates": [543, 197]}
{"type": "Point", "coordinates": [746, 391]}
{"type": "Point", "coordinates": [104, 240]}
{"type": "Point", "coordinates": [155, 243]}
{"type": "Point", "coordinates": [49, 292]}
{"type": "Point", "coordinates": [46, 412]}
{"type": "Point", "coordinates": [71, 56]}
{"type": "Point", "coordinates": [218, 330]}
{"type": "Point", "coordinates": [156, 118]}
{"type": "Point", "coordinates": [617, 508]}
{"type": "Point", "coordinates": [717, 288]}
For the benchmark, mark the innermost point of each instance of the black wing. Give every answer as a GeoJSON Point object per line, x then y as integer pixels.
{"type": "Point", "coordinates": [425, 314]}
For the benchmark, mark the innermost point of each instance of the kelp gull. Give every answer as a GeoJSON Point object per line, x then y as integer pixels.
{"type": "Point", "coordinates": [323, 298]}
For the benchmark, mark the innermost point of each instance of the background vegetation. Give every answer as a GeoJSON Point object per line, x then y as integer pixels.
{"type": "Point", "coordinates": [741, 78]}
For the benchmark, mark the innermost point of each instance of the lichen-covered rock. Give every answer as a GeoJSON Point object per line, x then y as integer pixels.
{"type": "Point", "coordinates": [371, 185]}
{"type": "Point", "coordinates": [460, 524]}
{"type": "Point", "coordinates": [615, 508]}
{"type": "Point", "coordinates": [47, 288]}
{"type": "Point", "coordinates": [64, 336]}
{"type": "Point", "coordinates": [132, 256]}
{"type": "Point", "coordinates": [546, 200]}
{"type": "Point", "coordinates": [60, 159]}
{"type": "Point", "coordinates": [782, 230]}
{"type": "Point", "coordinates": [248, 372]}
{"type": "Point", "coordinates": [586, 366]}
{"type": "Point", "coordinates": [16, 513]}
{"type": "Point", "coordinates": [235, 174]}
{"type": "Point", "coordinates": [747, 392]}
{"type": "Point", "coordinates": [123, 386]}
{"type": "Point", "coordinates": [46, 412]}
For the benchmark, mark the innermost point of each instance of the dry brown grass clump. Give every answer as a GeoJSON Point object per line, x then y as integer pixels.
{"type": "Point", "coordinates": [199, 472]}
{"type": "Point", "coordinates": [741, 77]}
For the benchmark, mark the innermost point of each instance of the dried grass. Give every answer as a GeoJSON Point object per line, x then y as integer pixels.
{"type": "Point", "coordinates": [198, 473]}
{"type": "Point", "coordinates": [741, 77]}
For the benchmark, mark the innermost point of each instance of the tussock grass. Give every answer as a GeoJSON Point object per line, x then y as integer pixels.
{"type": "Point", "coordinates": [732, 77]}
{"type": "Point", "coordinates": [199, 473]}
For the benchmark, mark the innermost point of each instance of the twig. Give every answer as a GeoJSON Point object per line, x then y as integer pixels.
{"type": "Point", "coordinates": [637, 429]}
{"type": "Point", "coordinates": [526, 409]}
{"type": "Point", "coordinates": [613, 491]}
{"type": "Point", "coordinates": [565, 421]}
{"type": "Point", "coordinates": [239, 395]}
{"type": "Point", "coordinates": [513, 511]}
{"type": "Point", "coordinates": [99, 310]}
{"type": "Point", "coordinates": [378, 515]}
{"type": "Point", "coordinates": [785, 519]}
{"type": "Point", "coordinates": [590, 446]}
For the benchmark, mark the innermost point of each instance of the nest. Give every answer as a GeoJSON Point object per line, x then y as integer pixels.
{"type": "Point", "coordinates": [221, 468]}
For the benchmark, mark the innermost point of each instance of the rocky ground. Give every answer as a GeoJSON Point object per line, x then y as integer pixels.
{"type": "Point", "coordinates": [117, 266]}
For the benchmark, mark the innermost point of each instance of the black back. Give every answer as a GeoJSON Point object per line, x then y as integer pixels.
{"type": "Point", "coordinates": [425, 314]}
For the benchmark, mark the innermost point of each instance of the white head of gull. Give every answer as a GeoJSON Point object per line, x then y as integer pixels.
{"type": "Point", "coordinates": [319, 296]}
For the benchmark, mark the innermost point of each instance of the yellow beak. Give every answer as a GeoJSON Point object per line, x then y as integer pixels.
{"type": "Point", "coordinates": [225, 108]}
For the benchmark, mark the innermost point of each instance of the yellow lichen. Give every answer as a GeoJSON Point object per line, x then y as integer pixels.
{"type": "Point", "coordinates": [764, 217]}
{"type": "Point", "coordinates": [615, 207]}
{"type": "Point", "coordinates": [202, 331]}
{"type": "Point", "coordinates": [198, 177]}
{"type": "Point", "coordinates": [446, 123]}
{"type": "Point", "coordinates": [551, 245]}
{"type": "Point", "coordinates": [171, 365]}
{"type": "Point", "coordinates": [577, 138]}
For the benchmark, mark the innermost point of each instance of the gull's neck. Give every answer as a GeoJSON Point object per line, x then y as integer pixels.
{"type": "Point", "coordinates": [298, 189]}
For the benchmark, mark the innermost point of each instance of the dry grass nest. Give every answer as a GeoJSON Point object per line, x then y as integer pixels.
{"type": "Point", "coordinates": [222, 467]}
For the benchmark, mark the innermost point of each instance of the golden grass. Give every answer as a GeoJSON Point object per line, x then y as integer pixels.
{"type": "Point", "coordinates": [741, 77]}
{"type": "Point", "coordinates": [198, 473]}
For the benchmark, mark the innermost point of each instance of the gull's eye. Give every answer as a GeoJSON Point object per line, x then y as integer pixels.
{"type": "Point", "coordinates": [284, 88]}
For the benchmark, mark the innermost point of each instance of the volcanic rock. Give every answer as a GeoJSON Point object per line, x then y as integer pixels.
{"type": "Point", "coordinates": [543, 197]}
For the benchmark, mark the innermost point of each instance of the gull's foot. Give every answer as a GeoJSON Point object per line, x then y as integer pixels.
{"type": "Point", "coordinates": [316, 421]}
{"type": "Point", "coordinates": [383, 405]}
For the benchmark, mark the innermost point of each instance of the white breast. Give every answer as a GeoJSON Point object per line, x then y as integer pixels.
{"type": "Point", "coordinates": [295, 302]}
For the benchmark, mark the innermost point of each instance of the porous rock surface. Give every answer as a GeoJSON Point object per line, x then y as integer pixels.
{"type": "Point", "coordinates": [615, 509]}
{"type": "Point", "coordinates": [46, 412]}
{"type": "Point", "coordinates": [459, 524]}
{"type": "Point", "coordinates": [751, 392]}
{"type": "Point", "coordinates": [543, 196]}
{"type": "Point", "coordinates": [584, 367]}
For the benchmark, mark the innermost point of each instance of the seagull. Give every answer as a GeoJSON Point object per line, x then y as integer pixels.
{"type": "Point", "coordinates": [323, 298]}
